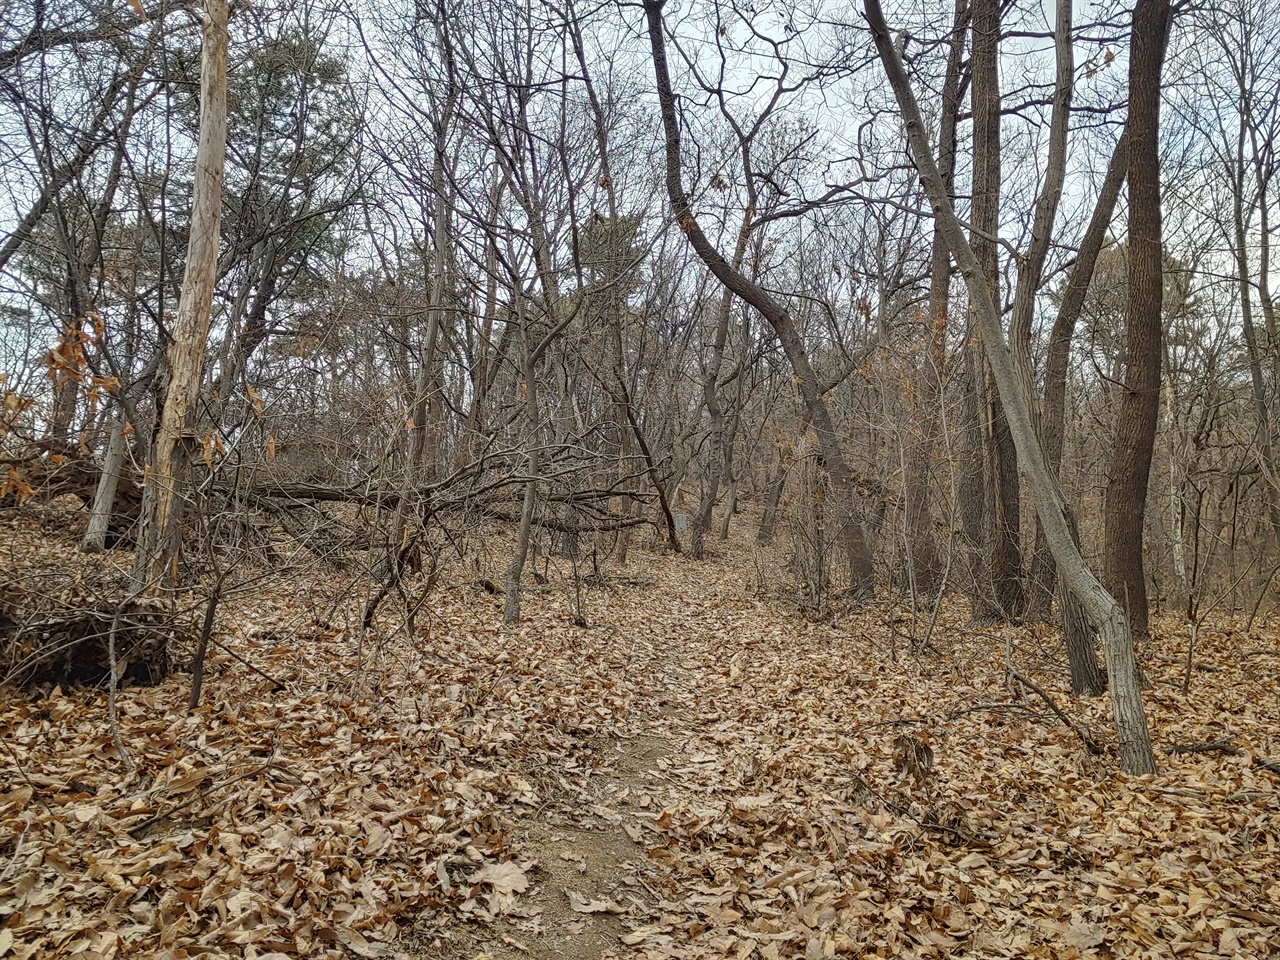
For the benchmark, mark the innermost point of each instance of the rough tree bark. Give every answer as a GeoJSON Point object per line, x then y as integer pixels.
{"type": "Point", "coordinates": [1102, 609]}
{"type": "Point", "coordinates": [774, 313]}
{"type": "Point", "coordinates": [176, 448]}
{"type": "Point", "coordinates": [1126, 495]}
{"type": "Point", "coordinates": [1005, 598]}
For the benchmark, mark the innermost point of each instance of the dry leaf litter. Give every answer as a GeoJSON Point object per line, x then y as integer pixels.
{"type": "Point", "coordinates": [699, 772]}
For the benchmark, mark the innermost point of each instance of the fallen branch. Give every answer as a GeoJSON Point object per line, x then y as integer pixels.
{"type": "Point", "coordinates": [277, 686]}
{"type": "Point", "coordinates": [153, 820]}
{"type": "Point", "coordinates": [1225, 745]}
{"type": "Point", "coordinates": [1090, 744]}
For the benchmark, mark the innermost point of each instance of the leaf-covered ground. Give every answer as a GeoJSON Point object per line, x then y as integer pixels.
{"type": "Point", "coordinates": [698, 772]}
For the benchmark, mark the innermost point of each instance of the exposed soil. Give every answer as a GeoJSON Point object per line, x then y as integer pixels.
{"type": "Point", "coordinates": [591, 864]}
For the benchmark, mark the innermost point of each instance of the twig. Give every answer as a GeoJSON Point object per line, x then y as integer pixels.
{"type": "Point", "coordinates": [1090, 744]}
{"type": "Point", "coordinates": [1225, 745]}
{"type": "Point", "coordinates": [277, 686]}
{"type": "Point", "coordinates": [1180, 792]}
{"type": "Point", "coordinates": [152, 820]}
{"type": "Point", "coordinates": [900, 722]}
{"type": "Point", "coordinates": [17, 852]}
{"type": "Point", "coordinates": [111, 690]}
{"type": "Point", "coordinates": [35, 791]}
{"type": "Point", "coordinates": [1251, 795]}
{"type": "Point", "coordinates": [1257, 916]}
{"type": "Point", "coordinates": [989, 707]}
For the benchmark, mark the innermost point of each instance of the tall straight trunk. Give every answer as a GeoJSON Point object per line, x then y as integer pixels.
{"type": "Point", "coordinates": [486, 356]}
{"type": "Point", "coordinates": [1104, 613]}
{"type": "Point", "coordinates": [1124, 510]}
{"type": "Point", "coordinates": [1245, 275]}
{"type": "Point", "coordinates": [775, 314]}
{"type": "Point", "coordinates": [1004, 599]}
{"type": "Point", "coordinates": [715, 412]}
{"type": "Point", "coordinates": [528, 368]}
{"type": "Point", "coordinates": [176, 448]}
{"type": "Point", "coordinates": [927, 565]}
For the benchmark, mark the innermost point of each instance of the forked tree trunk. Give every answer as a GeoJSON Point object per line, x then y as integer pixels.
{"type": "Point", "coordinates": [176, 448]}
{"type": "Point", "coordinates": [1058, 359]}
{"type": "Point", "coordinates": [1126, 496]}
{"type": "Point", "coordinates": [1103, 611]}
{"type": "Point", "coordinates": [1086, 676]}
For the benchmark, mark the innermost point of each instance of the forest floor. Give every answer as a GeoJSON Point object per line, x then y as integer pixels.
{"type": "Point", "coordinates": [698, 771]}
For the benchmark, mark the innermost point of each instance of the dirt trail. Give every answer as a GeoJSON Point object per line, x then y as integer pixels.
{"type": "Point", "coordinates": [591, 863]}
{"type": "Point", "coordinates": [592, 878]}
{"type": "Point", "coordinates": [700, 772]}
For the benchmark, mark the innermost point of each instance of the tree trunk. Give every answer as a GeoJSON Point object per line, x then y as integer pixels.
{"type": "Point", "coordinates": [774, 313]}
{"type": "Point", "coordinates": [1087, 679]}
{"type": "Point", "coordinates": [1004, 600]}
{"type": "Point", "coordinates": [1058, 360]}
{"type": "Point", "coordinates": [1103, 612]}
{"type": "Point", "coordinates": [528, 368]}
{"type": "Point", "coordinates": [926, 563]}
{"type": "Point", "coordinates": [176, 448]}
{"type": "Point", "coordinates": [1245, 281]}
{"type": "Point", "coordinates": [715, 413]}
{"type": "Point", "coordinates": [1126, 495]}
{"type": "Point", "coordinates": [772, 502]}
{"type": "Point", "coordinates": [104, 498]}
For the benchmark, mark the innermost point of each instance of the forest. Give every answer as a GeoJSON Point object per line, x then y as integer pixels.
{"type": "Point", "coordinates": [690, 479]}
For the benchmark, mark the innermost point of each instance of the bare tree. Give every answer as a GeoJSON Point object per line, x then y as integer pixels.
{"type": "Point", "coordinates": [774, 312]}
{"type": "Point", "coordinates": [176, 449]}
{"type": "Point", "coordinates": [1105, 613]}
{"type": "Point", "coordinates": [1126, 498]}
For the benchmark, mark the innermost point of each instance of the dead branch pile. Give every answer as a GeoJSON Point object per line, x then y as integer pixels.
{"type": "Point", "coordinates": [60, 633]}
